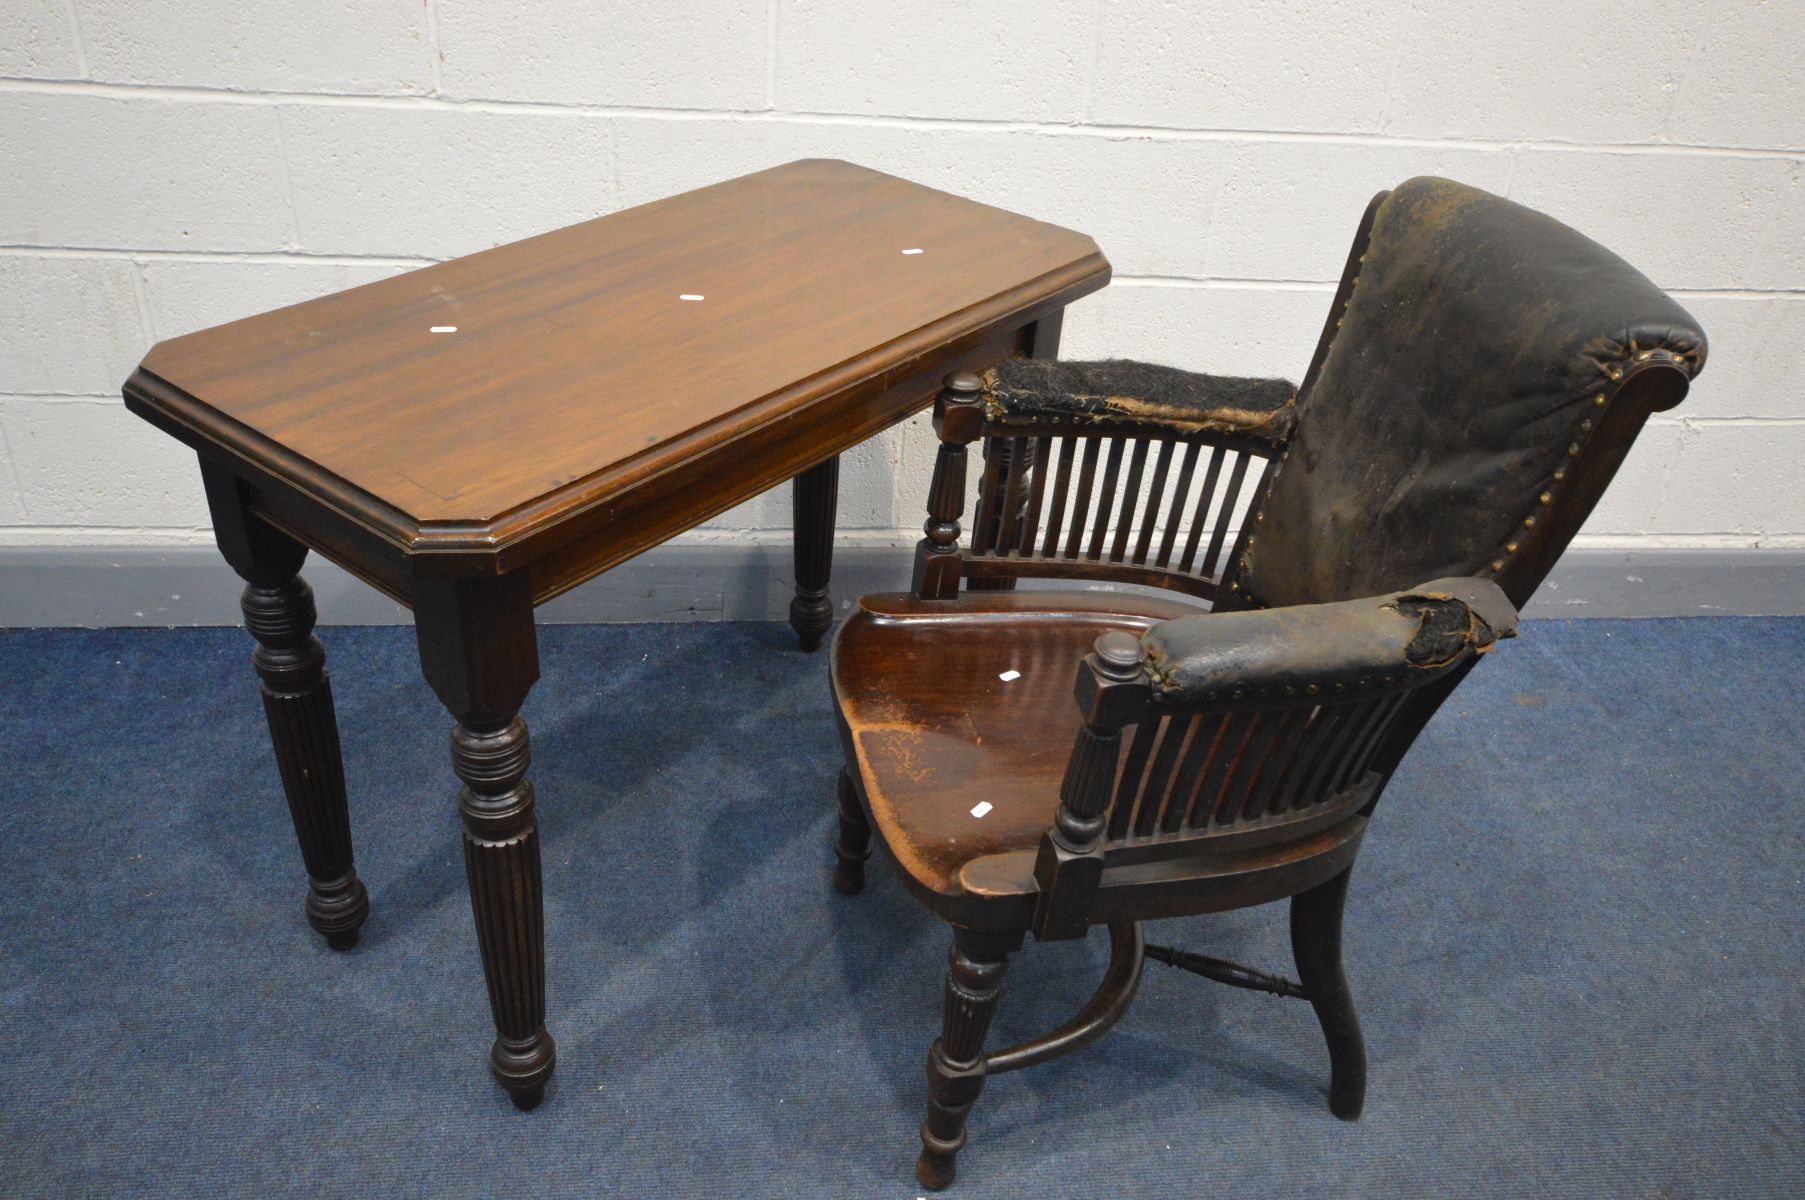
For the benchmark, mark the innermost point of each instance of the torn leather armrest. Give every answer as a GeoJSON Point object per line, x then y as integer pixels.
{"type": "Point", "coordinates": [1346, 650]}
{"type": "Point", "coordinates": [1120, 391]}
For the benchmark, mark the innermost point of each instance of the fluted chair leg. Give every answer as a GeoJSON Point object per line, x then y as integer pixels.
{"type": "Point", "coordinates": [1316, 944]}
{"type": "Point", "coordinates": [853, 846]}
{"type": "Point", "coordinates": [956, 1061]}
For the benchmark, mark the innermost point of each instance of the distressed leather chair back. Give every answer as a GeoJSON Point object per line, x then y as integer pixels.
{"type": "Point", "coordinates": [1482, 374]}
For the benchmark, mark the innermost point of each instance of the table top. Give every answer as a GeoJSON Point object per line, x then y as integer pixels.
{"type": "Point", "coordinates": [494, 393]}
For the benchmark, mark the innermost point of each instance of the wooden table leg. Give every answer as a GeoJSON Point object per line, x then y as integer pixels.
{"type": "Point", "coordinates": [297, 700]}
{"type": "Point", "coordinates": [814, 499]}
{"type": "Point", "coordinates": [479, 653]}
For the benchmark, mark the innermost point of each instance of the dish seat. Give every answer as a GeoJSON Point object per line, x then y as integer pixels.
{"type": "Point", "coordinates": [955, 762]}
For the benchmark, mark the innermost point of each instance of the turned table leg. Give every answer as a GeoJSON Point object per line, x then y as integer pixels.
{"type": "Point", "coordinates": [479, 653]}
{"type": "Point", "coordinates": [814, 498]}
{"type": "Point", "coordinates": [297, 700]}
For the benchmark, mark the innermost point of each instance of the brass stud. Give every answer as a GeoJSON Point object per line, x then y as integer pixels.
{"type": "Point", "coordinates": [1599, 400]}
{"type": "Point", "coordinates": [1585, 426]}
{"type": "Point", "coordinates": [1573, 450]}
{"type": "Point", "coordinates": [1312, 689]}
{"type": "Point", "coordinates": [1546, 497]}
{"type": "Point", "coordinates": [1511, 548]}
{"type": "Point", "coordinates": [1497, 564]}
{"type": "Point", "coordinates": [1529, 522]}
{"type": "Point", "coordinates": [1643, 357]}
{"type": "Point", "coordinates": [1559, 475]}
{"type": "Point", "coordinates": [1615, 373]}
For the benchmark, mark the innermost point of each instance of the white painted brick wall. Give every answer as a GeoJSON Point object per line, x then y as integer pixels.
{"type": "Point", "coordinates": [992, 59]}
{"type": "Point", "coordinates": [683, 54]}
{"type": "Point", "coordinates": [368, 47]}
{"type": "Point", "coordinates": [439, 183]}
{"type": "Point", "coordinates": [35, 41]}
{"type": "Point", "coordinates": [173, 164]}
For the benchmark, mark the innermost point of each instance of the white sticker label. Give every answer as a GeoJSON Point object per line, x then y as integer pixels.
{"type": "Point", "coordinates": [689, 296]}
{"type": "Point", "coordinates": [983, 807]}
{"type": "Point", "coordinates": [913, 250]}
{"type": "Point", "coordinates": [1010, 676]}
{"type": "Point", "coordinates": [443, 329]}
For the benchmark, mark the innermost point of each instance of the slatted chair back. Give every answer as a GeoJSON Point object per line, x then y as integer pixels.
{"type": "Point", "coordinates": [1215, 742]}
{"type": "Point", "coordinates": [1247, 778]}
{"type": "Point", "coordinates": [1079, 502]}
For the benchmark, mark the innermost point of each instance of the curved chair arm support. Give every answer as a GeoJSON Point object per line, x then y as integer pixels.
{"type": "Point", "coordinates": [1141, 397]}
{"type": "Point", "coordinates": [1349, 649]}
{"type": "Point", "coordinates": [1098, 1016]}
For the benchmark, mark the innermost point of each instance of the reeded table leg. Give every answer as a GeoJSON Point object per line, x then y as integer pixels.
{"type": "Point", "coordinates": [814, 499]}
{"type": "Point", "coordinates": [478, 651]}
{"type": "Point", "coordinates": [297, 699]}
{"type": "Point", "coordinates": [501, 861]}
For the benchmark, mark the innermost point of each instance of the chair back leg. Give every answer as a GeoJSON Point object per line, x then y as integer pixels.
{"type": "Point", "coordinates": [956, 1060]}
{"type": "Point", "coordinates": [1316, 944]}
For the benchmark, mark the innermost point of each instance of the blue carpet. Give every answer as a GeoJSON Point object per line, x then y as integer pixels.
{"type": "Point", "coordinates": [1574, 936]}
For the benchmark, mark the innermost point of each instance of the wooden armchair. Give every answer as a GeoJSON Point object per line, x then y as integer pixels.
{"type": "Point", "coordinates": [1482, 373]}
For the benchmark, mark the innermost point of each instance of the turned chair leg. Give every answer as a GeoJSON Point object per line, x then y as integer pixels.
{"type": "Point", "coordinates": [814, 498]}
{"type": "Point", "coordinates": [956, 1061]}
{"type": "Point", "coordinates": [1316, 944]}
{"type": "Point", "coordinates": [853, 847]}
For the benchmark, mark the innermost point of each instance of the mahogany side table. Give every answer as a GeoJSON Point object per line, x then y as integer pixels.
{"type": "Point", "coordinates": [476, 437]}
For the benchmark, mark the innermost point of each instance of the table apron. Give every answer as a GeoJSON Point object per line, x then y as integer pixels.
{"type": "Point", "coordinates": [679, 499]}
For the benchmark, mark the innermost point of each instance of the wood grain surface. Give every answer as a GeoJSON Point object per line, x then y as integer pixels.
{"type": "Point", "coordinates": [578, 370]}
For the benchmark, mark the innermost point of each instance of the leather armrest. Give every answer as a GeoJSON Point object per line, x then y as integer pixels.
{"type": "Point", "coordinates": [1349, 649]}
{"type": "Point", "coordinates": [1120, 390]}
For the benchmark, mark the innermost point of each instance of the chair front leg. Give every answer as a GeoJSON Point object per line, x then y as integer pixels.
{"type": "Point", "coordinates": [853, 847]}
{"type": "Point", "coordinates": [956, 1060]}
{"type": "Point", "coordinates": [1316, 945]}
